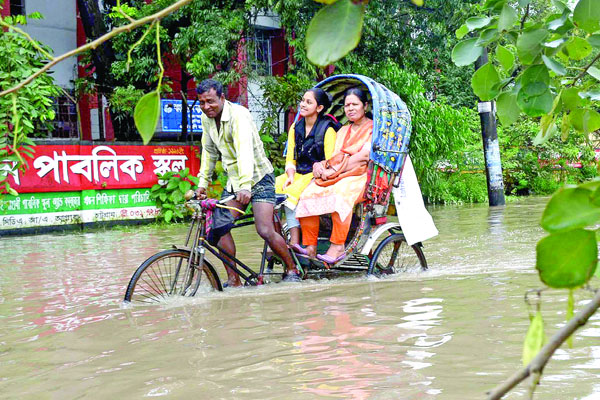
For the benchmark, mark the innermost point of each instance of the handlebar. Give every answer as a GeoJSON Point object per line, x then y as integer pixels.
{"type": "Point", "coordinates": [191, 195]}
{"type": "Point", "coordinates": [209, 204]}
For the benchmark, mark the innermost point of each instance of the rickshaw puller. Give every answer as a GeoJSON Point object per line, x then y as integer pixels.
{"type": "Point", "coordinates": [230, 132]}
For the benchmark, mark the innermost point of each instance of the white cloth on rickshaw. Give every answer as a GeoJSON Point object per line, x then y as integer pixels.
{"type": "Point", "coordinates": [416, 222]}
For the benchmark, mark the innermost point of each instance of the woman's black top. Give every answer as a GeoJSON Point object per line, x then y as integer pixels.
{"type": "Point", "coordinates": [310, 149]}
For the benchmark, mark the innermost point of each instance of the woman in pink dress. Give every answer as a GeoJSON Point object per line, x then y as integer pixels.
{"type": "Point", "coordinates": [339, 182]}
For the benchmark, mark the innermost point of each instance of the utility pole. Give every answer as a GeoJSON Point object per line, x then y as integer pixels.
{"type": "Point", "coordinates": [491, 149]}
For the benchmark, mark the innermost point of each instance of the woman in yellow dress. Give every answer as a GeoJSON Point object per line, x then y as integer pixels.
{"type": "Point", "coordinates": [310, 140]}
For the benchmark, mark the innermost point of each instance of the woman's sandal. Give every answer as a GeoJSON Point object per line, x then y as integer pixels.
{"type": "Point", "coordinates": [330, 260]}
{"type": "Point", "coordinates": [299, 249]}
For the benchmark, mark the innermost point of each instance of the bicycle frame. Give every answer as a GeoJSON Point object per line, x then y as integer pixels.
{"type": "Point", "coordinates": [197, 235]}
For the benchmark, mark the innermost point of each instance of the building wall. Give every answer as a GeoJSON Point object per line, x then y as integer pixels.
{"type": "Point", "coordinates": [58, 30]}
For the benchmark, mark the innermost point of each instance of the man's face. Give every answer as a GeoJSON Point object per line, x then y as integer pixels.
{"type": "Point", "coordinates": [211, 104]}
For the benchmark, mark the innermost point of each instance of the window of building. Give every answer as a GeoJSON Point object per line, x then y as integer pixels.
{"type": "Point", "coordinates": [17, 7]}
{"type": "Point", "coordinates": [64, 125]}
{"type": "Point", "coordinates": [262, 60]}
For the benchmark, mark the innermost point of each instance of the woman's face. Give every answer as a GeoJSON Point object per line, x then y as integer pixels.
{"type": "Point", "coordinates": [354, 108]}
{"type": "Point", "coordinates": [309, 106]}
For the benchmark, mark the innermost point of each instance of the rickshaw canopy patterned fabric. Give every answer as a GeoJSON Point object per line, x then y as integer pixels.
{"type": "Point", "coordinates": [391, 118]}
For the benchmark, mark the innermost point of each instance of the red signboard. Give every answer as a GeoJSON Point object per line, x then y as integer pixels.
{"type": "Point", "coordinates": [61, 168]}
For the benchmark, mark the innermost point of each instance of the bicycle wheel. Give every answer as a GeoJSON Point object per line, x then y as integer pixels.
{"type": "Point", "coordinates": [394, 255]}
{"type": "Point", "coordinates": [166, 274]}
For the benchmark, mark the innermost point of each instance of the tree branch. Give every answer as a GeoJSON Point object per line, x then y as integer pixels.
{"type": "Point", "coordinates": [94, 44]}
{"type": "Point", "coordinates": [582, 74]}
{"type": "Point", "coordinates": [536, 366]}
{"type": "Point", "coordinates": [525, 17]}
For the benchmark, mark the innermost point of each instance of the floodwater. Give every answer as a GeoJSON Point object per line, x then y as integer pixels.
{"type": "Point", "coordinates": [453, 332]}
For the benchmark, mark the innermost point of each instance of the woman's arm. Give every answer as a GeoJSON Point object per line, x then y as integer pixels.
{"type": "Point", "coordinates": [290, 162]}
{"type": "Point", "coordinates": [360, 158]}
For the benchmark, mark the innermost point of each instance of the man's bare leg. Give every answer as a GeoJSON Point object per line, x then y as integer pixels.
{"type": "Point", "coordinates": [228, 244]}
{"type": "Point", "coordinates": [263, 220]}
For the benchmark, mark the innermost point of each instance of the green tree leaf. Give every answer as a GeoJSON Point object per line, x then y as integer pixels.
{"type": "Point", "coordinates": [168, 215]}
{"type": "Point", "coordinates": [587, 15]}
{"type": "Point", "coordinates": [529, 45]}
{"type": "Point", "coordinates": [560, 23]}
{"type": "Point", "coordinates": [508, 109]}
{"type": "Point", "coordinates": [176, 197]}
{"type": "Point", "coordinates": [570, 208]}
{"type": "Point", "coordinates": [466, 52]}
{"type": "Point", "coordinates": [595, 72]}
{"type": "Point", "coordinates": [508, 17]}
{"type": "Point", "coordinates": [593, 94]}
{"type": "Point", "coordinates": [173, 183]}
{"type": "Point", "coordinates": [577, 48]}
{"type": "Point", "coordinates": [535, 105]}
{"type": "Point", "coordinates": [334, 32]}
{"type": "Point", "coordinates": [484, 82]}
{"type": "Point", "coordinates": [184, 186]}
{"type": "Point", "coordinates": [534, 340]}
{"type": "Point", "coordinates": [477, 22]}
{"type": "Point", "coordinates": [560, 6]}
{"type": "Point", "coordinates": [567, 259]}
{"type": "Point", "coordinates": [505, 57]}
{"type": "Point", "coordinates": [146, 114]}
{"type": "Point", "coordinates": [570, 98]}
{"type": "Point", "coordinates": [585, 120]}
{"type": "Point", "coordinates": [462, 31]}
{"type": "Point", "coordinates": [555, 66]}
{"type": "Point", "coordinates": [594, 40]}
{"type": "Point", "coordinates": [494, 4]}
{"type": "Point", "coordinates": [535, 73]}
{"type": "Point", "coordinates": [547, 129]}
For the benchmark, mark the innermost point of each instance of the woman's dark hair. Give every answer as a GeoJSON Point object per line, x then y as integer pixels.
{"type": "Point", "coordinates": [362, 96]}
{"type": "Point", "coordinates": [322, 98]}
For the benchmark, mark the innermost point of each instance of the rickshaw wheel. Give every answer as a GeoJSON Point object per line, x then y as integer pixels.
{"type": "Point", "coordinates": [393, 255]}
{"type": "Point", "coordinates": [166, 274]}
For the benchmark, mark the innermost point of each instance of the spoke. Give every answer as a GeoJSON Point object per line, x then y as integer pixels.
{"type": "Point", "coordinates": [156, 294]}
{"type": "Point", "coordinates": [148, 297]}
{"type": "Point", "coordinates": [152, 286]}
{"type": "Point", "coordinates": [160, 275]}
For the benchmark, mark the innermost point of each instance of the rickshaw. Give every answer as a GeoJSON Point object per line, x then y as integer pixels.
{"type": "Point", "coordinates": [374, 245]}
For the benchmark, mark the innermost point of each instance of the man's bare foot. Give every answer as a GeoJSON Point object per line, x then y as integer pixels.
{"type": "Point", "coordinates": [232, 282]}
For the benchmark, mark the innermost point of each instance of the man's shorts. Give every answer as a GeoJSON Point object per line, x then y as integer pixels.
{"type": "Point", "coordinates": [262, 192]}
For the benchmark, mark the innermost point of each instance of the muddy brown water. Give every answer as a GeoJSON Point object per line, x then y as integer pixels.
{"type": "Point", "coordinates": [453, 332]}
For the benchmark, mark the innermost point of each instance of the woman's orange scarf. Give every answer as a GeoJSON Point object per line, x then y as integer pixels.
{"type": "Point", "coordinates": [352, 144]}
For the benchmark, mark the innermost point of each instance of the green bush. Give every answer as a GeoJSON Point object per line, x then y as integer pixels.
{"type": "Point", "coordinates": [458, 188]}
{"type": "Point", "coordinates": [169, 193]}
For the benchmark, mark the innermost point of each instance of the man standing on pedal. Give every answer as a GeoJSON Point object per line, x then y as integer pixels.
{"type": "Point", "coordinates": [229, 131]}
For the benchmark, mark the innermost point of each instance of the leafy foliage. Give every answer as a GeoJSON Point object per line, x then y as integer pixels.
{"type": "Point", "coordinates": [554, 79]}
{"type": "Point", "coordinates": [169, 193]}
{"type": "Point", "coordinates": [554, 71]}
{"type": "Point", "coordinates": [32, 108]}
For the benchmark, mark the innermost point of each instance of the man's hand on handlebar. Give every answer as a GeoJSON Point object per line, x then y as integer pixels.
{"type": "Point", "coordinates": [201, 193]}
{"type": "Point", "coordinates": [243, 196]}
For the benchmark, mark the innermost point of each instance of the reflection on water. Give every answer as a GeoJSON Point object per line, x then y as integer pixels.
{"type": "Point", "coordinates": [450, 333]}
